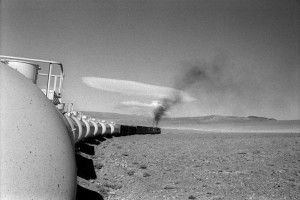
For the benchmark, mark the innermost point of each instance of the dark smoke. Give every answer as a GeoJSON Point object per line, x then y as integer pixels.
{"type": "Point", "coordinates": [209, 75]}
{"type": "Point", "coordinates": [193, 74]}
{"type": "Point", "coordinates": [228, 85]}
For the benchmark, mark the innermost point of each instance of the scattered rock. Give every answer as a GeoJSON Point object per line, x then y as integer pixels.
{"type": "Point", "coordinates": [217, 198]}
{"type": "Point", "coordinates": [169, 187]}
{"type": "Point", "coordinates": [102, 190]}
{"type": "Point", "coordinates": [256, 152]}
{"type": "Point", "coordinates": [143, 167]}
{"type": "Point", "coordinates": [192, 197]}
{"type": "Point", "coordinates": [114, 186]}
{"type": "Point", "coordinates": [270, 164]}
{"type": "Point", "coordinates": [98, 165]}
{"type": "Point", "coordinates": [112, 193]}
{"type": "Point", "coordinates": [145, 174]}
{"type": "Point", "coordinates": [131, 173]}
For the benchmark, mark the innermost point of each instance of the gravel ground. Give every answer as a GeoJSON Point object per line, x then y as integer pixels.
{"type": "Point", "coordinates": [190, 166]}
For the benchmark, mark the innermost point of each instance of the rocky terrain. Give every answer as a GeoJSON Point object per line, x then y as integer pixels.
{"type": "Point", "coordinates": [198, 165]}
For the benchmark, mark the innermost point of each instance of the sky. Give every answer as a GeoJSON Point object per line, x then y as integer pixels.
{"type": "Point", "coordinates": [124, 56]}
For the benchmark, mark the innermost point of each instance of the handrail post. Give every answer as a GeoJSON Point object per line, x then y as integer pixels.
{"type": "Point", "coordinates": [49, 79]}
{"type": "Point", "coordinates": [61, 78]}
{"type": "Point", "coordinates": [55, 80]}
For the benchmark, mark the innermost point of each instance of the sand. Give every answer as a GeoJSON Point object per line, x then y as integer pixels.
{"type": "Point", "coordinates": [199, 165]}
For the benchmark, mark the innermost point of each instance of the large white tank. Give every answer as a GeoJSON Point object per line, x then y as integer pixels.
{"type": "Point", "coordinates": [29, 70]}
{"type": "Point", "coordinates": [37, 159]}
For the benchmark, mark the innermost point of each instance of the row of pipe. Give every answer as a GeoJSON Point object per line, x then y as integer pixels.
{"type": "Point", "coordinates": [83, 127]}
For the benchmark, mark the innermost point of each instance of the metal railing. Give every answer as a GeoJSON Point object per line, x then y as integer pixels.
{"type": "Point", "coordinates": [49, 74]}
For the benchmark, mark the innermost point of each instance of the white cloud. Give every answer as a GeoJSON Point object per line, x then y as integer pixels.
{"type": "Point", "coordinates": [134, 88]}
{"type": "Point", "coordinates": [153, 104]}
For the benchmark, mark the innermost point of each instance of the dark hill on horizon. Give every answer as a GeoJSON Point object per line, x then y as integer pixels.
{"type": "Point", "coordinates": [218, 119]}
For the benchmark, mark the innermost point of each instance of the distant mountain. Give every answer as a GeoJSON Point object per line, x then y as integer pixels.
{"type": "Point", "coordinates": [260, 118]}
{"type": "Point", "coordinates": [216, 119]}
{"type": "Point", "coordinates": [148, 121]}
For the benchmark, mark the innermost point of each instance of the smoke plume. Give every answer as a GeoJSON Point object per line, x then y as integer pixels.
{"type": "Point", "coordinates": [201, 72]}
{"type": "Point", "coordinates": [193, 74]}
{"type": "Point", "coordinates": [230, 86]}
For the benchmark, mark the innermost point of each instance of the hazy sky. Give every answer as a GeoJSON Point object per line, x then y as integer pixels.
{"type": "Point", "coordinates": [121, 55]}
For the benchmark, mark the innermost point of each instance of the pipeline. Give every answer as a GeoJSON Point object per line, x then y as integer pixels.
{"type": "Point", "coordinates": [38, 136]}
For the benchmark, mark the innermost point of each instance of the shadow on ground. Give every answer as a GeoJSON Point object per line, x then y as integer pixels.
{"type": "Point", "coordinates": [86, 148]}
{"type": "Point", "coordinates": [83, 194]}
{"type": "Point", "coordinates": [85, 167]}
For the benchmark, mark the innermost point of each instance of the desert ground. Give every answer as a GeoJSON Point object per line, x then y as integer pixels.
{"type": "Point", "coordinates": [191, 164]}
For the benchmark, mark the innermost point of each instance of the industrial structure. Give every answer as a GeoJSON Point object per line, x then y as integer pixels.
{"type": "Point", "coordinates": [38, 131]}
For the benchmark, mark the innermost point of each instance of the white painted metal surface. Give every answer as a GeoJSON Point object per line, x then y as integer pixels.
{"type": "Point", "coordinates": [58, 90]}
{"type": "Point", "coordinates": [95, 125]}
{"type": "Point", "coordinates": [74, 127]}
{"type": "Point", "coordinates": [79, 129]}
{"type": "Point", "coordinates": [37, 159]}
{"type": "Point", "coordinates": [87, 126]}
{"type": "Point", "coordinates": [103, 127]}
{"type": "Point", "coordinates": [29, 70]}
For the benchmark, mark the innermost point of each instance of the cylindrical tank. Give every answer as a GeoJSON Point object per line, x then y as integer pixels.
{"type": "Point", "coordinates": [29, 70]}
{"type": "Point", "coordinates": [124, 130]}
{"type": "Point", "coordinates": [139, 130]}
{"type": "Point", "coordinates": [112, 128]}
{"type": "Point", "coordinates": [92, 127]}
{"type": "Point", "coordinates": [73, 125]}
{"type": "Point", "coordinates": [108, 129]}
{"type": "Point", "coordinates": [86, 127]}
{"type": "Point", "coordinates": [81, 129]}
{"type": "Point", "coordinates": [96, 128]}
{"type": "Point", "coordinates": [103, 127]}
{"type": "Point", "coordinates": [116, 129]}
{"type": "Point", "coordinates": [37, 152]}
{"type": "Point", "coordinates": [133, 130]}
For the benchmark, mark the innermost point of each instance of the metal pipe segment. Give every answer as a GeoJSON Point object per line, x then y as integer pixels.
{"type": "Point", "coordinates": [83, 127]}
